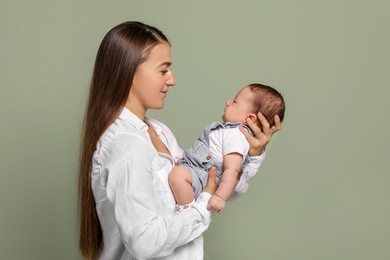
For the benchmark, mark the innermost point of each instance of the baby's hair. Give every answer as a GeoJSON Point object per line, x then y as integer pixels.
{"type": "Point", "coordinates": [268, 101]}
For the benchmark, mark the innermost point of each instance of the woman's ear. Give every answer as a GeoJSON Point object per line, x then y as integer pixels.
{"type": "Point", "coordinates": [252, 117]}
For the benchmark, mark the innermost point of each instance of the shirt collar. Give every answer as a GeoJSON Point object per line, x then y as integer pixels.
{"type": "Point", "coordinates": [155, 125]}
{"type": "Point", "coordinates": [132, 119]}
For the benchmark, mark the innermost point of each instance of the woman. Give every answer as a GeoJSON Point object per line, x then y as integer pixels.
{"type": "Point", "coordinates": [126, 205]}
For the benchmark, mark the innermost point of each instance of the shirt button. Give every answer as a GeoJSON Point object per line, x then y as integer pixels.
{"type": "Point", "coordinates": [208, 157]}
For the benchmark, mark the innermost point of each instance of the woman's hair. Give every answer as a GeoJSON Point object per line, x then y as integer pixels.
{"type": "Point", "coordinates": [268, 101]}
{"type": "Point", "coordinates": [122, 50]}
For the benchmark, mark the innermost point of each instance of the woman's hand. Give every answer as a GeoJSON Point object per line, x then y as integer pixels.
{"type": "Point", "coordinates": [262, 135]}
{"type": "Point", "coordinates": [211, 186]}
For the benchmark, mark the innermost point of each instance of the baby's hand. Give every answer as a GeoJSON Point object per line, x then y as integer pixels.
{"type": "Point", "coordinates": [217, 204]}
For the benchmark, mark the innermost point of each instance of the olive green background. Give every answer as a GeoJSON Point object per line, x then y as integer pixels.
{"type": "Point", "coordinates": [324, 189]}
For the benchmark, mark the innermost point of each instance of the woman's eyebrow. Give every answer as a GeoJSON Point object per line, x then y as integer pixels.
{"type": "Point", "coordinates": [166, 63]}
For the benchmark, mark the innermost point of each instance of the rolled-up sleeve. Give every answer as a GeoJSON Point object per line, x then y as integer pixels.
{"type": "Point", "coordinates": [146, 230]}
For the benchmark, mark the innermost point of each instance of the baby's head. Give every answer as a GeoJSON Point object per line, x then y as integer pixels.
{"type": "Point", "coordinates": [252, 99]}
{"type": "Point", "coordinates": [268, 101]}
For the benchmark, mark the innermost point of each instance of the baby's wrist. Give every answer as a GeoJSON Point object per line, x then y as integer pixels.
{"type": "Point", "coordinates": [219, 197]}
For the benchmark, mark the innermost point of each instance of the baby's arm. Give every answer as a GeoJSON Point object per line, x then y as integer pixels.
{"type": "Point", "coordinates": [232, 165]}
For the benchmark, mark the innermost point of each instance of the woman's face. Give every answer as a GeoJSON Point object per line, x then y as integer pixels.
{"type": "Point", "coordinates": [151, 81]}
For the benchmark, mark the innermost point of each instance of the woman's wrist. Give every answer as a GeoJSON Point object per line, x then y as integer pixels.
{"type": "Point", "coordinates": [253, 153]}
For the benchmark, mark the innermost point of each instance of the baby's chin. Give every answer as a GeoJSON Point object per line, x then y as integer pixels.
{"type": "Point", "coordinates": [225, 120]}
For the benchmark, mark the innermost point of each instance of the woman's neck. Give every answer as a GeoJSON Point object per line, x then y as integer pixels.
{"type": "Point", "coordinates": [136, 110]}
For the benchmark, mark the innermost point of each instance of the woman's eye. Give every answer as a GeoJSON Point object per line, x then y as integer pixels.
{"type": "Point", "coordinates": [164, 72]}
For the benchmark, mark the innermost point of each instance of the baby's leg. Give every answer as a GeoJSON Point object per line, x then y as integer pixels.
{"type": "Point", "coordinates": [180, 181]}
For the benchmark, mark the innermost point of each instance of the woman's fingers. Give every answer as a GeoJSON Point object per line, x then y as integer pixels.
{"type": "Point", "coordinates": [277, 125]}
{"type": "Point", "coordinates": [247, 135]}
{"type": "Point", "coordinates": [211, 185]}
{"type": "Point", "coordinates": [264, 124]}
{"type": "Point", "coordinates": [262, 135]}
{"type": "Point", "coordinates": [255, 128]}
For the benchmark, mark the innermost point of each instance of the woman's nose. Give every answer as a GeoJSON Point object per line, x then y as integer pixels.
{"type": "Point", "coordinates": [228, 102]}
{"type": "Point", "coordinates": [171, 81]}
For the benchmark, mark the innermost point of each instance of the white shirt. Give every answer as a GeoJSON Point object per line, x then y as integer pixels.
{"type": "Point", "coordinates": [227, 140]}
{"type": "Point", "coordinates": [134, 202]}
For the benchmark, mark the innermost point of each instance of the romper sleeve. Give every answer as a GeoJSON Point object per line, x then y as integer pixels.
{"type": "Point", "coordinates": [145, 231]}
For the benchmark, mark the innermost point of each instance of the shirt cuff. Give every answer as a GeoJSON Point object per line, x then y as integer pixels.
{"type": "Point", "coordinates": [258, 159]}
{"type": "Point", "coordinates": [204, 196]}
{"type": "Point", "coordinates": [201, 205]}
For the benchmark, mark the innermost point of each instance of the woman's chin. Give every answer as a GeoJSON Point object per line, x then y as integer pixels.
{"type": "Point", "coordinates": [157, 107]}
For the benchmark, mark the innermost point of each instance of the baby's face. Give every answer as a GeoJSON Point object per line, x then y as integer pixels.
{"type": "Point", "coordinates": [239, 108]}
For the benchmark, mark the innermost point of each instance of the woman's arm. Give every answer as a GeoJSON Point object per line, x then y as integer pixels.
{"type": "Point", "coordinates": [147, 228]}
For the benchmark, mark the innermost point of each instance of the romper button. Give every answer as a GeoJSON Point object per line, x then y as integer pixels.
{"type": "Point", "coordinates": [208, 157]}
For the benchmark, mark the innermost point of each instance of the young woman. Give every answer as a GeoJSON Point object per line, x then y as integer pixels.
{"type": "Point", "coordinates": [126, 205]}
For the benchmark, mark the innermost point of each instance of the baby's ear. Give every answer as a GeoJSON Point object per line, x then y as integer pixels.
{"type": "Point", "coordinates": [252, 117]}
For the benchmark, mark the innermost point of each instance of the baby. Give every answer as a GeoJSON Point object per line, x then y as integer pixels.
{"type": "Point", "coordinates": [223, 145]}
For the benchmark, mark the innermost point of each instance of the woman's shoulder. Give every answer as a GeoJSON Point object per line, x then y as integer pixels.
{"type": "Point", "coordinates": [120, 131]}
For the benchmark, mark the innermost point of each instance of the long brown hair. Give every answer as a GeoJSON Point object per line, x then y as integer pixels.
{"type": "Point", "coordinates": [122, 50]}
